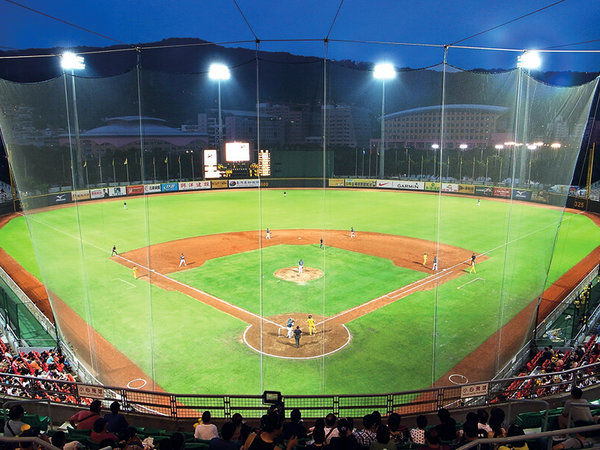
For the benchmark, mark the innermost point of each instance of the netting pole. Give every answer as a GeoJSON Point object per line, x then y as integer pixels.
{"type": "Point", "coordinates": [324, 147]}
{"type": "Point", "coordinates": [439, 218]}
{"type": "Point", "coordinates": [260, 249]}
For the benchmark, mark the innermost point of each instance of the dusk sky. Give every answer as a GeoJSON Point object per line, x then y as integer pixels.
{"type": "Point", "coordinates": [421, 21]}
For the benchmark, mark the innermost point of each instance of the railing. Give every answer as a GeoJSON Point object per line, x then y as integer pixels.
{"type": "Point", "coordinates": [224, 406]}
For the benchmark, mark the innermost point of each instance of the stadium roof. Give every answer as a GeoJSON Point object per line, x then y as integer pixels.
{"type": "Point", "coordinates": [465, 106]}
{"type": "Point", "coordinates": [130, 126]}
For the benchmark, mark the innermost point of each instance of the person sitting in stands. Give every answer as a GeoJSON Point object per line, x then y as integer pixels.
{"type": "Point", "coordinates": [367, 435]}
{"type": "Point", "coordinates": [84, 420]}
{"type": "Point", "coordinates": [59, 440]}
{"type": "Point", "coordinates": [579, 441]}
{"type": "Point", "coordinates": [241, 429]}
{"type": "Point", "coordinates": [383, 441]}
{"type": "Point", "coordinates": [345, 439]}
{"type": "Point", "coordinates": [515, 430]}
{"type": "Point", "coordinates": [264, 439]}
{"type": "Point", "coordinates": [446, 430]}
{"type": "Point", "coordinates": [433, 442]}
{"type": "Point", "coordinates": [417, 435]}
{"type": "Point", "coordinates": [294, 427]}
{"type": "Point", "coordinates": [225, 442]}
{"type": "Point", "coordinates": [116, 422]}
{"type": "Point", "coordinates": [206, 430]}
{"type": "Point", "coordinates": [398, 433]}
{"type": "Point", "coordinates": [495, 423]}
{"type": "Point", "coordinates": [15, 425]}
{"type": "Point", "coordinates": [100, 432]}
{"type": "Point", "coordinates": [318, 436]}
{"type": "Point", "coordinates": [577, 407]}
{"type": "Point", "coordinates": [331, 430]}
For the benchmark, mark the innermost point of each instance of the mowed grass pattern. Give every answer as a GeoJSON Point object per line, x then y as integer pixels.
{"type": "Point", "coordinates": [189, 347]}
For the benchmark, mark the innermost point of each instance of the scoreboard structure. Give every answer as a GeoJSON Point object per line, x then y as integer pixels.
{"type": "Point", "coordinates": [264, 163]}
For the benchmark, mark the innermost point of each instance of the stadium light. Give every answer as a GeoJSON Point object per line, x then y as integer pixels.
{"type": "Point", "coordinates": [538, 143]}
{"type": "Point", "coordinates": [530, 59]}
{"type": "Point", "coordinates": [499, 146]}
{"type": "Point", "coordinates": [384, 71]}
{"type": "Point", "coordinates": [435, 146]}
{"type": "Point", "coordinates": [70, 61]}
{"type": "Point", "coordinates": [531, 147]}
{"type": "Point", "coordinates": [218, 71]}
{"type": "Point", "coordinates": [463, 146]}
{"type": "Point", "coordinates": [555, 145]}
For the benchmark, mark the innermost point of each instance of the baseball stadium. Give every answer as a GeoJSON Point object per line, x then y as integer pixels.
{"type": "Point", "coordinates": [188, 242]}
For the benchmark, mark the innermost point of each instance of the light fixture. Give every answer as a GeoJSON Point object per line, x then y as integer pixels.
{"type": "Point", "coordinates": [530, 59]}
{"type": "Point", "coordinates": [218, 71]}
{"type": "Point", "coordinates": [384, 71]}
{"type": "Point", "coordinates": [70, 61]}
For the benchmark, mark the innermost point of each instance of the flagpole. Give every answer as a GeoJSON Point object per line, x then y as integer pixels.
{"type": "Point", "coordinates": [100, 166]}
{"type": "Point", "coordinates": [154, 167]}
{"type": "Point", "coordinates": [179, 162]}
{"type": "Point", "coordinates": [114, 172]}
{"type": "Point", "coordinates": [167, 164]}
{"type": "Point", "coordinates": [87, 178]}
{"type": "Point", "coordinates": [127, 170]}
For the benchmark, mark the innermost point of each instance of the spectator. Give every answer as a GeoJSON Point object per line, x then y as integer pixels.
{"type": "Point", "coordinates": [59, 440]}
{"type": "Point", "coordinates": [470, 432]}
{"type": "Point", "coordinates": [265, 438]}
{"type": "Point", "coordinates": [577, 407]}
{"type": "Point", "coordinates": [132, 440]}
{"type": "Point", "coordinates": [496, 421]}
{"type": "Point", "coordinates": [15, 425]}
{"type": "Point", "coordinates": [398, 432]}
{"type": "Point", "coordinates": [482, 417]}
{"type": "Point", "coordinates": [205, 430]}
{"type": "Point", "coordinates": [446, 430]}
{"type": "Point", "coordinates": [383, 441]}
{"type": "Point", "coordinates": [345, 439]}
{"type": "Point", "coordinates": [432, 439]}
{"type": "Point", "coordinates": [116, 422]}
{"type": "Point", "coordinates": [318, 435]}
{"type": "Point", "coordinates": [367, 435]}
{"type": "Point", "coordinates": [178, 441]}
{"type": "Point", "coordinates": [224, 442]}
{"type": "Point", "coordinates": [241, 429]}
{"type": "Point", "coordinates": [377, 416]}
{"type": "Point", "coordinates": [579, 441]}
{"type": "Point", "coordinates": [330, 427]}
{"type": "Point", "coordinates": [515, 430]}
{"type": "Point", "coordinates": [84, 420]}
{"type": "Point", "coordinates": [100, 432]}
{"type": "Point", "coordinates": [294, 427]}
{"type": "Point", "coordinates": [417, 435]}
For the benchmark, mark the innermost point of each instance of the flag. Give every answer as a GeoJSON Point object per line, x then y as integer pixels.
{"type": "Point", "coordinates": [125, 162]}
{"type": "Point", "coordinates": [166, 160]}
{"type": "Point", "coordinates": [85, 164]}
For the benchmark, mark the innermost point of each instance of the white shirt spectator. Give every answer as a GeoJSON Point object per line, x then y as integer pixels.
{"type": "Point", "coordinates": [206, 431]}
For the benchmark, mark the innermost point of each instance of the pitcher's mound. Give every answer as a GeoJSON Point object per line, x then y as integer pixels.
{"type": "Point", "coordinates": [292, 274]}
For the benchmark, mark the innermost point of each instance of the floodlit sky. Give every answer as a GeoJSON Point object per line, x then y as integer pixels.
{"type": "Point", "coordinates": [398, 21]}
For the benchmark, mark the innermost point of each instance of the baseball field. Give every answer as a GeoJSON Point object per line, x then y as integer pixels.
{"type": "Point", "coordinates": [385, 320]}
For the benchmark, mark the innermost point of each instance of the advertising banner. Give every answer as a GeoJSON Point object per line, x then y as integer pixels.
{"type": "Point", "coordinates": [502, 192]}
{"type": "Point", "coordinates": [485, 191]}
{"type": "Point", "coordinates": [466, 189]}
{"type": "Point", "coordinates": [135, 190]}
{"type": "Point", "coordinates": [219, 184]}
{"type": "Point", "coordinates": [432, 186]}
{"type": "Point", "coordinates": [98, 193]}
{"type": "Point", "coordinates": [151, 188]}
{"type": "Point", "coordinates": [81, 195]}
{"type": "Point", "coordinates": [63, 197]}
{"type": "Point", "coordinates": [539, 196]}
{"type": "Point", "coordinates": [244, 183]}
{"type": "Point", "coordinates": [193, 185]}
{"type": "Point", "coordinates": [336, 182]}
{"type": "Point", "coordinates": [521, 194]}
{"type": "Point", "coordinates": [359, 183]}
{"type": "Point", "coordinates": [117, 191]}
{"type": "Point", "coordinates": [411, 185]}
{"type": "Point", "coordinates": [449, 187]}
{"type": "Point", "coordinates": [385, 184]}
{"type": "Point", "coordinates": [168, 187]}
{"type": "Point", "coordinates": [474, 390]}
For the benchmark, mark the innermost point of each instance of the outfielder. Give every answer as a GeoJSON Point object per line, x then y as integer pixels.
{"type": "Point", "coordinates": [472, 268]}
{"type": "Point", "coordinates": [134, 270]}
{"type": "Point", "coordinates": [435, 263]}
{"type": "Point", "coordinates": [182, 261]}
{"type": "Point", "coordinates": [352, 232]}
{"type": "Point", "coordinates": [300, 266]}
{"type": "Point", "coordinates": [268, 236]}
{"type": "Point", "coordinates": [311, 325]}
{"type": "Point", "coordinates": [114, 251]}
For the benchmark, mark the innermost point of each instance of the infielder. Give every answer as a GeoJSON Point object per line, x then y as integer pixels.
{"type": "Point", "coordinates": [425, 258]}
{"type": "Point", "coordinates": [311, 325]}
{"type": "Point", "coordinates": [472, 268]}
{"type": "Point", "coordinates": [290, 328]}
{"type": "Point", "coordinates": [134, 270]}
{"type": "Point", "coordinates": [352, 232]}
{"type": "Point", "coordinates": [268, 236]}
{"type": "Point", "coordinates": [114, 251]}
{"type": "Point", "coordinates": [435, 263]}
{"type": "Point", "coordinates": [300, 265]}
{"type": "Point", "coordinates": [182, 261]}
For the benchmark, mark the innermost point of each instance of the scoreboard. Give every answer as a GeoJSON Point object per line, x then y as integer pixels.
{"type": "Point", "coordinates": [264, 163]}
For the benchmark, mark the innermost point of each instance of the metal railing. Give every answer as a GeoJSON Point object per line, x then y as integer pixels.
{"type": "Point", "coordinates": [224, 406]}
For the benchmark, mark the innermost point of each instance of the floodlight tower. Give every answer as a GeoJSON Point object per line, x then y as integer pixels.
{"type": "Point", "coordinates": [71, 61]}
{"type": "Point", "coordinates": [528, 60]}
{"type": "Point", "coordinates": [383, 72]}
{"type": "Point", "coordinates": [219, 72]}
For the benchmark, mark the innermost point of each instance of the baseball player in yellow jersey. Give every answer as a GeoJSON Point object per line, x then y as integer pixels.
{"type": "Point", "coordinates": [425, 258]}
{"type": "Point", "coordinates": [311, 326]}
{"type": "Point", "coordinates": [134, 270]}
{"type": "Point", "coordinates": [472, 268]}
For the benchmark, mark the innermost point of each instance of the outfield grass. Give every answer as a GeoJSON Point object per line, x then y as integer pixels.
{"type": "Point", "coordinates": [190, 347]}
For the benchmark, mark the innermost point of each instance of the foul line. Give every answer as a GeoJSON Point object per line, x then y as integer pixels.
{"type": "Point", "coordinates": [299, 357]}
{"type": "Point", "coordinates": [231, 305]}
{"type": "Point", "coordinates": [469, 282]}
{"type": "Point", "coordinates": [127, 282]}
